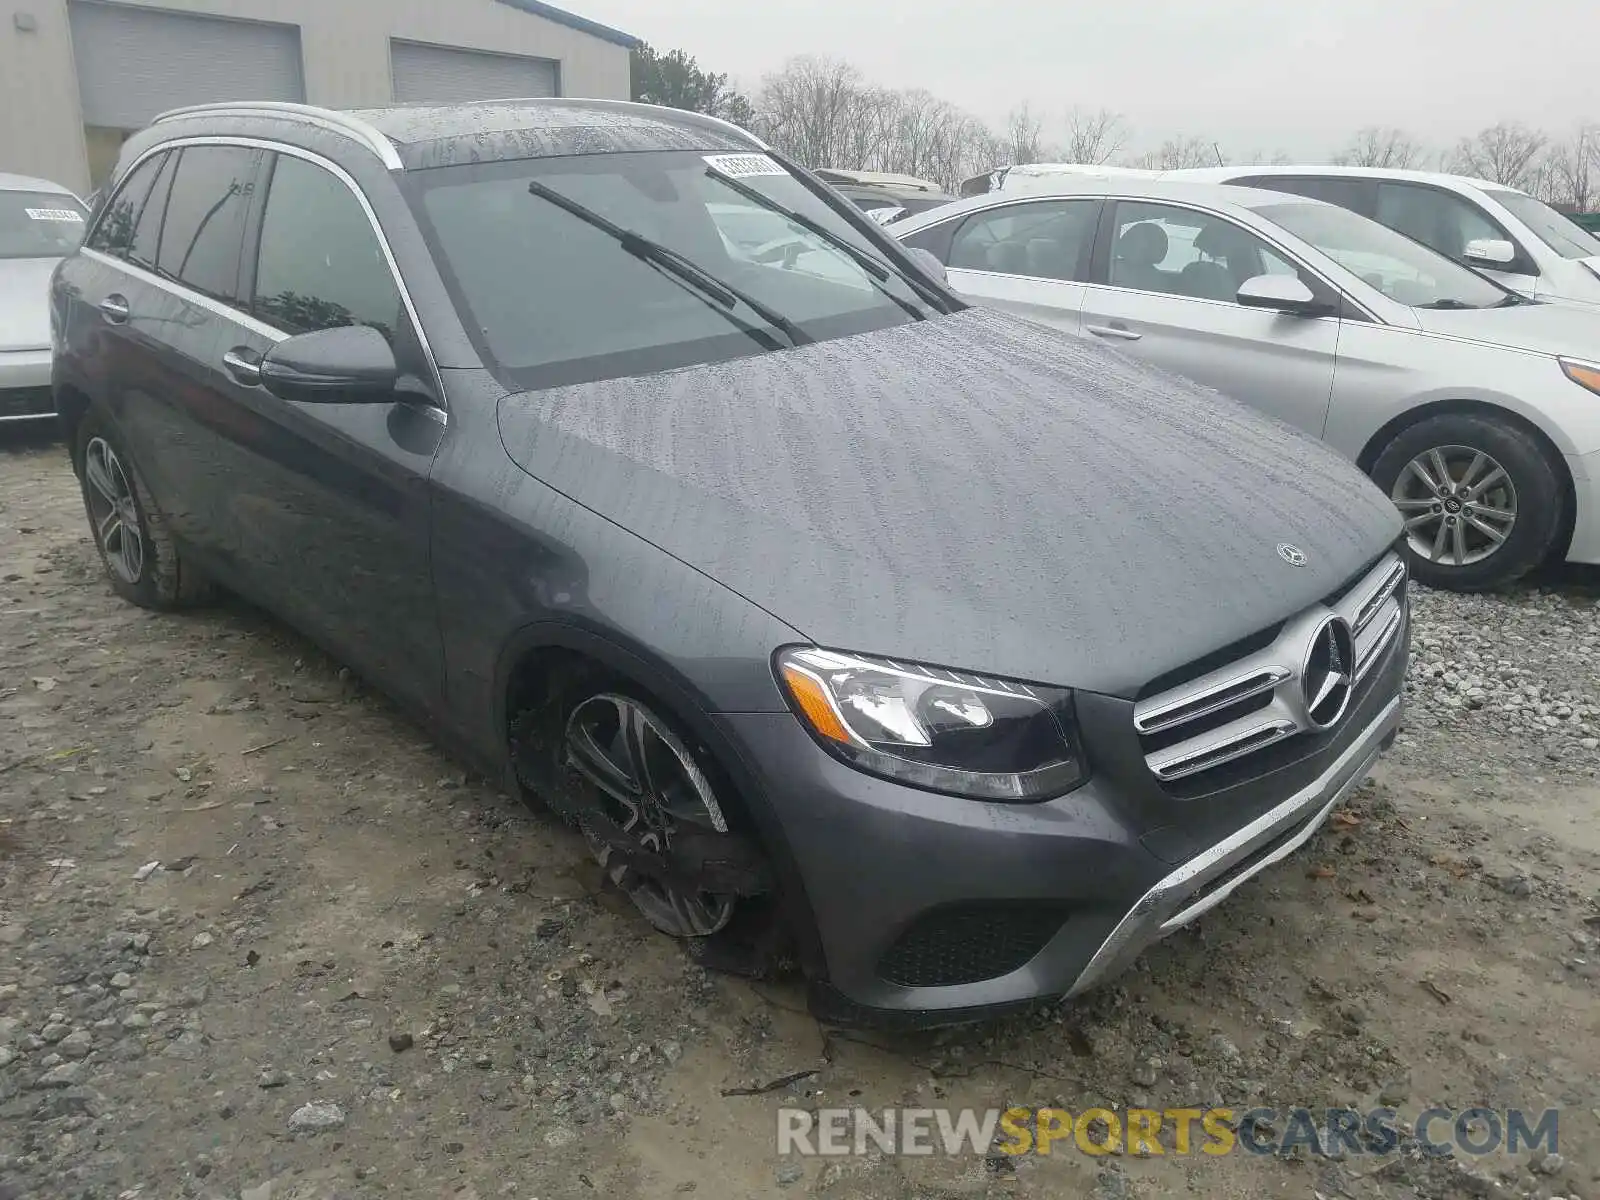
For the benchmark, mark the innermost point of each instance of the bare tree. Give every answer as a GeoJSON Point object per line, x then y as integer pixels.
{"type": "Point", "coordinates": [807, 108]}
{"type": "Point", "coordinates": [1178, 154]}
{"type": "Point", "coordinates": [1025, 132]}
{"type": "Point", "coordinates": [1375, 146]}
{"type": "Point", "coordinates": [1094, 137]}
{"type": "Point", "coordinates": [1572, 174]}
{"type": "Point", "coordinates": [1507, 153]}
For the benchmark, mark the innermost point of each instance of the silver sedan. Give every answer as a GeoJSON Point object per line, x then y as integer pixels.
{"type": "Point", "coordinates": [40, 224]}
{"type": "Point", "coordinates": [1475, 409]}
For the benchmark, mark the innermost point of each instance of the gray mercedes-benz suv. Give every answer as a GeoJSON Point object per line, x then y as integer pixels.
{"type": "Point", "coordinates": [966, 657]}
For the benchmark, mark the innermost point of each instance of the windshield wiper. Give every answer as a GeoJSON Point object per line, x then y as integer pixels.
{"type": "Point", "coordinates": [686, 270]}
{"type": "Point", "coordinates": [875, 267]}
{"type": "Point", "coordinates": [1449, 303]}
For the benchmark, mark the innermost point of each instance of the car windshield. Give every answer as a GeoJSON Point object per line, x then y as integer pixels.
{"type": "Point", "coordinates": [1561, 234]}
{"type": "Point", "coordinates": [552, 298]}
{"type": "Point", "coordinates": [1403, 270]}
{"type": "Point", "coordinates": [39, 224]}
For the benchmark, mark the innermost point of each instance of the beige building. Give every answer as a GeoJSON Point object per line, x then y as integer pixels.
{"type": "Point", "coordinates": [77, 76]}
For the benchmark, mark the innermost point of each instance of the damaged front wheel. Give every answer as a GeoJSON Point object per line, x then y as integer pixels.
{"type": "Point", "coordinates": [653, 793]}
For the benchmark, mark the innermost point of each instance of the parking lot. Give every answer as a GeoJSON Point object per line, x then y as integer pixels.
{"type": "Point", "coordinates": [258, 930]}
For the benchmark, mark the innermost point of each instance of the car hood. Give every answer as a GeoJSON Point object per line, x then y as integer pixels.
{"type": "Point", "coordinates": [25, 303]}
{"type": "Point", "coordinates": [971, 491]}
{"type": "Point", "coordinates": [1548, 328]}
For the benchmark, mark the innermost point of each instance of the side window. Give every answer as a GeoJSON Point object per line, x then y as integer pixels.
{"type": "Point", "coordinates": [202, 239]}
{"type": "Point", "coordinates": [1182, 252]}
{"type": "Point", "coordinates": [320, 263]}
{"type": "Point", "coordinates": [1439, 219]}
{"type": "Point", "coordinates": [1048, 239]}
{"type": "Point", "coordinates": [147, 230]}
{"type": "Point", "coordinates": [117, 228]}
{"type": "Point", "coordinates": [1346, 193]}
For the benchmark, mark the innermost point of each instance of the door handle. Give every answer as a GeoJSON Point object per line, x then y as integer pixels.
{"type": "Point", "coordinates": [244, 365]}
{"type": "Point", "coordinates": [114, 308]}
{"type": "Point", "coordinates": [1121, 332]}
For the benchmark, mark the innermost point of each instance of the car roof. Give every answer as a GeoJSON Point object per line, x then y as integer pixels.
{"type": "Point", "coordinates": [878, 179]}
{"type": "Point", "coordinates": [1398, 174]}
{"type": "Point", "coordinates": [27, 183]}
{"type": "Point", "coordinates": [1214, 195]}
{"type": "Point", "coordinates": [417, 136]}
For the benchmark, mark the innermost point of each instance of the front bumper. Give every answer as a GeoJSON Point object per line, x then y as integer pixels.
{"type": "Point", "coordinates": [25, 386]}
{"type": "Point", "coordinates": [1097, 875]}
{"type": "Point", "coordinates": [1584, 547]}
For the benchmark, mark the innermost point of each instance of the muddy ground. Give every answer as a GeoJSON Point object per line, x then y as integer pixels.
{"type": "Point", "coordinates": [344, 929]}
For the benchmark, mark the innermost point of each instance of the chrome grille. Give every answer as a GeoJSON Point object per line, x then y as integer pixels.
{"type": "Point", "coordinates": [1259, 700]}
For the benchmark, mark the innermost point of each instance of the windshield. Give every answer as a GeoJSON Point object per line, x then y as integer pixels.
{"type": "Point", "coordinates": [1560, 233]}
{"type": "Point", "coordinates": [552, 299]}
{"type": "Point", "coordinates": [39, 224]}
{"type": "Point", "coordinates": [1403, 270]}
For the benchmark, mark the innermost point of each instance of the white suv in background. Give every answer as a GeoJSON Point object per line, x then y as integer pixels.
{"type": "Point", "coordinates": [1517, 239]}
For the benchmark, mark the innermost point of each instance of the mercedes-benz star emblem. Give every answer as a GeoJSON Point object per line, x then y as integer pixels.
{"type": "Point", "coordinates": [1328, 677]}
{"type": "Point", "coordinates": [1292, 555]}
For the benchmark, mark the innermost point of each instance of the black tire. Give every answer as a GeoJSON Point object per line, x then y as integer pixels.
{"type": "Point", "coordinates": [1532, 483]}
{"type": "Point", "coordinates": [752, 940]}
{"type": "Point", "coordinates": [162, 580]}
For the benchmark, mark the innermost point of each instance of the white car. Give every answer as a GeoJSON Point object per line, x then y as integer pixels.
{"type": "Point", "coordinates": [40, 224]}
{"type": "Point", "coordinates": [1475, 409]}
{"type": "Point", "coordinates": [1517, 239]}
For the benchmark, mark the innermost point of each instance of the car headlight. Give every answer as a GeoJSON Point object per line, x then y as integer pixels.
{"type": "Point", "coordinates": [947, 731]}
{"type": "Point", "coordinates": [1581, 373]}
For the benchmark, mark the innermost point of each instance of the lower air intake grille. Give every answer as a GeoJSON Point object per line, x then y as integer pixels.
{"type": "Point", "coordinates": [969, 943]}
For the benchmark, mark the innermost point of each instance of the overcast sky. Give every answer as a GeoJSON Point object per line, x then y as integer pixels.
{"type": "Point", "coordinates": [1296, 75]}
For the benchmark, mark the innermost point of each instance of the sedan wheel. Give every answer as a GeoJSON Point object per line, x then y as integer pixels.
{"type": "Point", "coordinates": [1480, 497]}
{"type": "Point", "coordinates": [112, 512]}
{"type": "Point", "coordinates": [1459, 505]}
{"type": "Point", "coordinates": [653, 791]}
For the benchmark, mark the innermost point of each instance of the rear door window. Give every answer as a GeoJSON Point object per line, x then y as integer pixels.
{"type": "Point", "coordinates": [1354, 194]}
{"type": "Point", "coordinates": [1046, 239]}
{"type": "Point", "coordinates": [320, 264]}
{"type": "Point", "coordinates": [203, 237]}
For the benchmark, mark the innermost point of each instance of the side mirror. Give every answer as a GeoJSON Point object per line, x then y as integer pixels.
{"type": "Point", "coordinates": [1490, 252]}
{"type": "Point", "coordinates": [929, 262]}
{"type": "Point", "coordinates": [1281, 293]}
{"type": "Point", "coordinates": [884, 215]}
{"type": "Point", "coordinates": [349, 364]}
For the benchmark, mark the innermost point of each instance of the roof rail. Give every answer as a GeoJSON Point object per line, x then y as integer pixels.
{"type": "Point", "coordinates": [695, 118]}
{"type": "Point", "coordinates": [326, 118]}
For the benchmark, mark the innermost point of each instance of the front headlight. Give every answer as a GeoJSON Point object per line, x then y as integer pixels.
{"type": "Point", "coordinates": [947, 731]}
{"type": "Point", "coordinates": [1581, 373]}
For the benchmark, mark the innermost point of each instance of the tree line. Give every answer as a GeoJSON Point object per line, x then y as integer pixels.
{"type": "Point", "coordinates": [824, 113]}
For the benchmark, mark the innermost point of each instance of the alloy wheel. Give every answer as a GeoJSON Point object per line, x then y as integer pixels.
{"type": "Point", "coordinates": [653, 789]}
{"type": "Point", "coordinates": [112, 511]}
{"type": "Point", "coordinates": [1459, 505]}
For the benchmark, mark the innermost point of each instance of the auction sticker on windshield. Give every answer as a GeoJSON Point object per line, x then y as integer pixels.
{"type": "Point", "coordinates": [741, 166]}
{"type": "Point", "coordinates": [53, 214]}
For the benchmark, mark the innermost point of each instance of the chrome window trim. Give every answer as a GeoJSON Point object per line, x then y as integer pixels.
{"type": "Point", "coordinates": [185, 293]}
{"type": "Point", "coordinates": [1111, 198]}
{"type": "Point", "coordinates": [324, 118]}
{"type": "Point", "coordinates": [248, 319]}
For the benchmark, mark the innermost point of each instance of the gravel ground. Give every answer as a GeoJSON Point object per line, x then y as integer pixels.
{"type": "Point", "coordinates": [259, 940]}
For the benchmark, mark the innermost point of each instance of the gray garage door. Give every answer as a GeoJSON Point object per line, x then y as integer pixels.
{"type": "Point", "coordinates": [445, 75]}
{"type": "Point", "coordinates": [136, 62]}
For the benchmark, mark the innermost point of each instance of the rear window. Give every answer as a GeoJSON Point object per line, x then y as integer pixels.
{"type": "Point", "coordinates": [39, 224]}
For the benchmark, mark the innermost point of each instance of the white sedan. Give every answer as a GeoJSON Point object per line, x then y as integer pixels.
{"type": "Point", "coordinates": [40, 224]}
